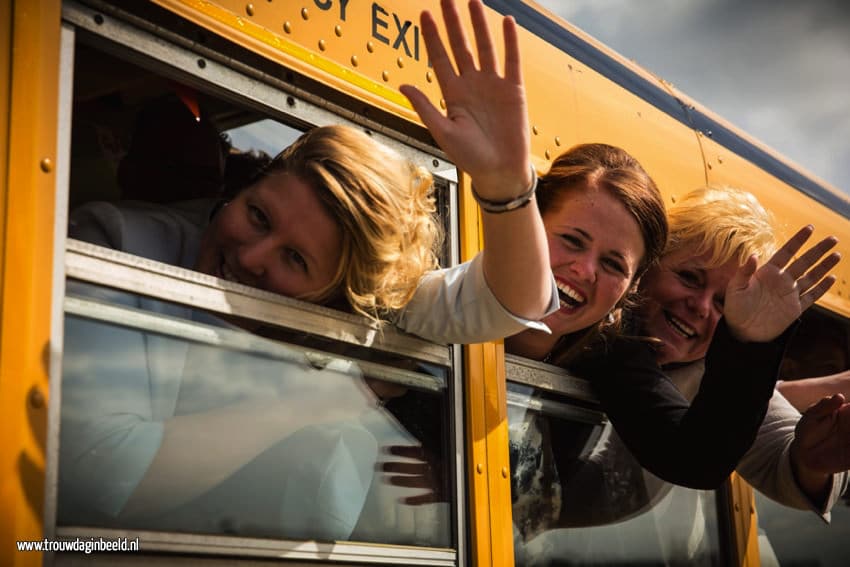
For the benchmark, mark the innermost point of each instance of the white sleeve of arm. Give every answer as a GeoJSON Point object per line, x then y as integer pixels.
{"type": "Point", "coordinates": [455, 305]}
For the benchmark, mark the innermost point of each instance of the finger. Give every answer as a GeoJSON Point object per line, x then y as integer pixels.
{"type": "Point", "coordinates": [412, 451]}
{"type": "Point", "coordinates": [825, 406]}
{"type": "Point", "coordinates": [812, 255]}
{"type": "Point", "coordinates": [427, 498]}
{"type": "Point", "coordinates": [513, 66]}
{"type": "Point", "coordinates": [811, 296]}
{"type": "Point", "coordinates": [437, 55]}
{"type": "Point", "coordinates": [457, 38]}
{"type": "Point", "coordinates": [433, 119]}
{"type": "Point", "coordinates": [815, 274]}
{"type": "Point", "coordinates": [487, 60]}
{"type": "Point", "coordinates": [741, 278]}
{"type": "Point", "coordinates": [784, 254]}
{"type": "Point", "coordinates": [403, 468]}
{"type": "Point", "coordinates": [409, 481]}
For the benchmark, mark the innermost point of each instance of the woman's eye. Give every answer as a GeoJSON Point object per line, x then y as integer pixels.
{"type": "Point", "coordinates": [614, 265]}
{"type": "Point", "coordinates": [296, 258]}
{"type": "Point", "coordinates": [689, 278]}
{"type": "Point", "coordinates": [257, 217]}
{"type": "Point", "coordinates": [573, 241]}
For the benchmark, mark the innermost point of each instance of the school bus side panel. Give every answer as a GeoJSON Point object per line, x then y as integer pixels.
{"type": "Point", "coordinates": [28, 196]}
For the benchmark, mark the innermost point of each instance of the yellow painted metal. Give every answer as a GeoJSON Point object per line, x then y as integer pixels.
{"type": "Point", "coordinates": [363, 49]}
{"type": "Point", "coordinates": [28, 194]}
{"type": "Point", "coordinates": [744, 523]}
{"type": "Point", "coordinates": [487, 424]}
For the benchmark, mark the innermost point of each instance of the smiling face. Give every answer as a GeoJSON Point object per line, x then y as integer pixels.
{"type": "Point", "coordinates": [595, 248]}
{"type": "Point", "coordinates": [683, 302]}
{"type": "Point", "coordinates": [275, 235]}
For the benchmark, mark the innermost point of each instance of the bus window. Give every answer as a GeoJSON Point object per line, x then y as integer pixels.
{"type": "Point", "coordinates": [579, 497]}
{"type": "Point", "coordinates": [205, 416]}
{"type": "Point", "coordinates": [787, 536]}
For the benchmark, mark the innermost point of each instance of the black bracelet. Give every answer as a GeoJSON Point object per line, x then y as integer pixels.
{"type": "Point", "coordinates": [497, 207]}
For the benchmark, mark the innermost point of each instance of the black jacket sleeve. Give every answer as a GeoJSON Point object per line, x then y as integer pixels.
{"type": "Point", "coordinates": [698, 444]}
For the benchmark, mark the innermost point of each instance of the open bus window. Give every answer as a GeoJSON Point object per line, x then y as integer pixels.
{"type": "Point", "coordinates": [578, 495]}
{"type": "Point", "coordinates": [184, 410]}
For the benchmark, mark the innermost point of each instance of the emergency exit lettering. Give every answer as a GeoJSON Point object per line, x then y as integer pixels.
{"type": "Point", "coordinates": [404, 34]}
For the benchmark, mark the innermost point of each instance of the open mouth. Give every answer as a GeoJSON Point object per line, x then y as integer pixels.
{"type": "Point", "coordinates": [226, 273]}
{"type": "Point", "coordinates": [569, 297]}
{"type": "Point", "coordinates": [679, 326]}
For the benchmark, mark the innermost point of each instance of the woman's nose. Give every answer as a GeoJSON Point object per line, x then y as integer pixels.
{"type": "Point", "coordinates": [584, 268]}
{"type": "Point", "coordinates": [253, 257]}
{"type": "Point", "coordinates": [700, 303]}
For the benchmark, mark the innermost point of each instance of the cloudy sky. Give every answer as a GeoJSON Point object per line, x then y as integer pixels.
{"type": "Point", "coordinates": [778, 69]}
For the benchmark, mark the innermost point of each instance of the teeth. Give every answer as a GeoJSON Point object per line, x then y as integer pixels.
{"type": "Point", "coordinates": [572, 297]}
{"type": "Point", "coordinates": [680, 326]}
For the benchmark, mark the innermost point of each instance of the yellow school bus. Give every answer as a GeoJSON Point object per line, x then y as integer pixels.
{"type": "Point", "coordinates": [83, 78]}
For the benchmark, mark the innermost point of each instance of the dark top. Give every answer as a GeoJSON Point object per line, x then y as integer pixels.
{"type": "Point", "coordinates": [694, 444]}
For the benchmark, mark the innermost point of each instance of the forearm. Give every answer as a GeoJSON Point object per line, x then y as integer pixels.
{"type": "Point", "coordinates": [516, 261]}
{"type": "Point", "coordinates": [804, 393]}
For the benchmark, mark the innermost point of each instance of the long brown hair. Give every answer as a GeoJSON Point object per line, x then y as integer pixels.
{"type": "Point", "coordinates": [614, 170]}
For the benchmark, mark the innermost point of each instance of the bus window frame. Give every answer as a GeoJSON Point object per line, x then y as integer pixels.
{"type": "Point", "coordinates": [267, 95]}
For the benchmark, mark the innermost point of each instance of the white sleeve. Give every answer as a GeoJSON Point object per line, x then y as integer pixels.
{"type": "Point", "coordinates": [455, 305]}
{"type": "Point", "coordinates": [767, 465]}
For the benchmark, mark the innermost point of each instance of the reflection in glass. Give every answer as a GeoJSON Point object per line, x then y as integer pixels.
{"type": "Point", "coordinates": [165, 433]}
{"type": "Point", "coordinates": [796, 537]}
{"type": "Point", "coordinates": [580, 498]}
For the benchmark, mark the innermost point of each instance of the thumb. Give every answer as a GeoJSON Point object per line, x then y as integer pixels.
{"type": "Point", "coordinates": [741, 279]}
{"type": "Point", "coordinates": [825, 406]}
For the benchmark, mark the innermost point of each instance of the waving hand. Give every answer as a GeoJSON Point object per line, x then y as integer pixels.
{"type": "Point", "coordinates": [761, 304]}
{"type": "Point", "coordinates": [485, 128]}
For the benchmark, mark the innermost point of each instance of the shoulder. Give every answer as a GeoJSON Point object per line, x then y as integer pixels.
{"type": "Point", "coordinates": [168, 234]}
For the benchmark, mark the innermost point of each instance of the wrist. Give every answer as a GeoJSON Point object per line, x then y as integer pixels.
{"type": "Point", "coordinates": [494, 206]}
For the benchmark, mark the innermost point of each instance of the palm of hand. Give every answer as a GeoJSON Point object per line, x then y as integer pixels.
{"type": "Point", "coordinates": [763, 308]}
{"type": "Point", "coordinates": [824, 441]}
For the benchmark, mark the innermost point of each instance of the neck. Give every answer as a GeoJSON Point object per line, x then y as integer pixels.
{"type": "Point", "coordinates": [532, 344]}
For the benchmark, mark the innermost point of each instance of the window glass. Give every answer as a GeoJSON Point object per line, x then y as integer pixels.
{"type": "Point", "coordinates": [798, 537]}
{"type": "Point", "coordinates": [174, 419]}
{"type": "Point", "coordinates": [580, 498]}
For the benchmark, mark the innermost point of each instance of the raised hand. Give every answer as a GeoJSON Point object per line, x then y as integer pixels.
{"type": "Point", "coordinates": [761, 303]}
{"type": "Point", "coordinates": [821, 444]}
{"type": "Point", "coordinates": [422, 472]}
{"type": "Point", "coordinates": [485, 128]}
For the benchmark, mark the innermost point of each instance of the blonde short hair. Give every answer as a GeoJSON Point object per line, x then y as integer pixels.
{"type": "Point", "coordinates": [727, 222]}
{"type": "Point", "coordinates": [384, 205]}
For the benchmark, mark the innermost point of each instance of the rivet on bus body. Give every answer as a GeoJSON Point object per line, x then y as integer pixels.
{"type": "Point", "coordinates": [249, 9]}
{"type": "Point", "coordinates": [385, 76]}
{"type": "Point", "coordinates": [479, 468]}
{"type": "Point", "coordinates": [534, 130]}
{"type": "Point", "coordinates": [35, 398]}
{"type": "Point", "coordinates": [429, 76]}
{"type": "Point", "coordinates": [709, 165]}
{"type": "Point", "coordinates": [435, 162]}
{"type": "Point", "coordinates": [202, 64]}
{"type": "Point", "coordinates": [443, 103]}
{"type": "Point", "coordinates": [321, 45]}
{"type": "Point", "coordinates": [400, 63]}
{"type": "Point", "coordinates": [305, 14]}
{"type": "Point", "coordinates": [287, 27]}
{"type": "Point", "coordinates": [370, 47]}
{"type": "Point", "coordinates": [504, 472]}
{"type": "Point", "coordinates": [557, 140]}
{"type": "Point", "coordinates": [547, 154]}
{"type": "Point", "coordinates": [338, 31]}
{"type": "Point", "coordinates": [354, 60]}
{"type": "Point", "coordinates": [719, 159]}
{"type": "Point", "coordinates": [46, 165]}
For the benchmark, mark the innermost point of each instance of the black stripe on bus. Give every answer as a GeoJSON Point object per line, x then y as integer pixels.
{"type": "Point", "coordinates": [560, 37]}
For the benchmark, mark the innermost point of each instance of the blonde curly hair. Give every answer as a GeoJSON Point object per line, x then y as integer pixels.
{"type": "Point", "coordinates": [723, 221]}
{"type": "Point", "coordinates": [384, 205]}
